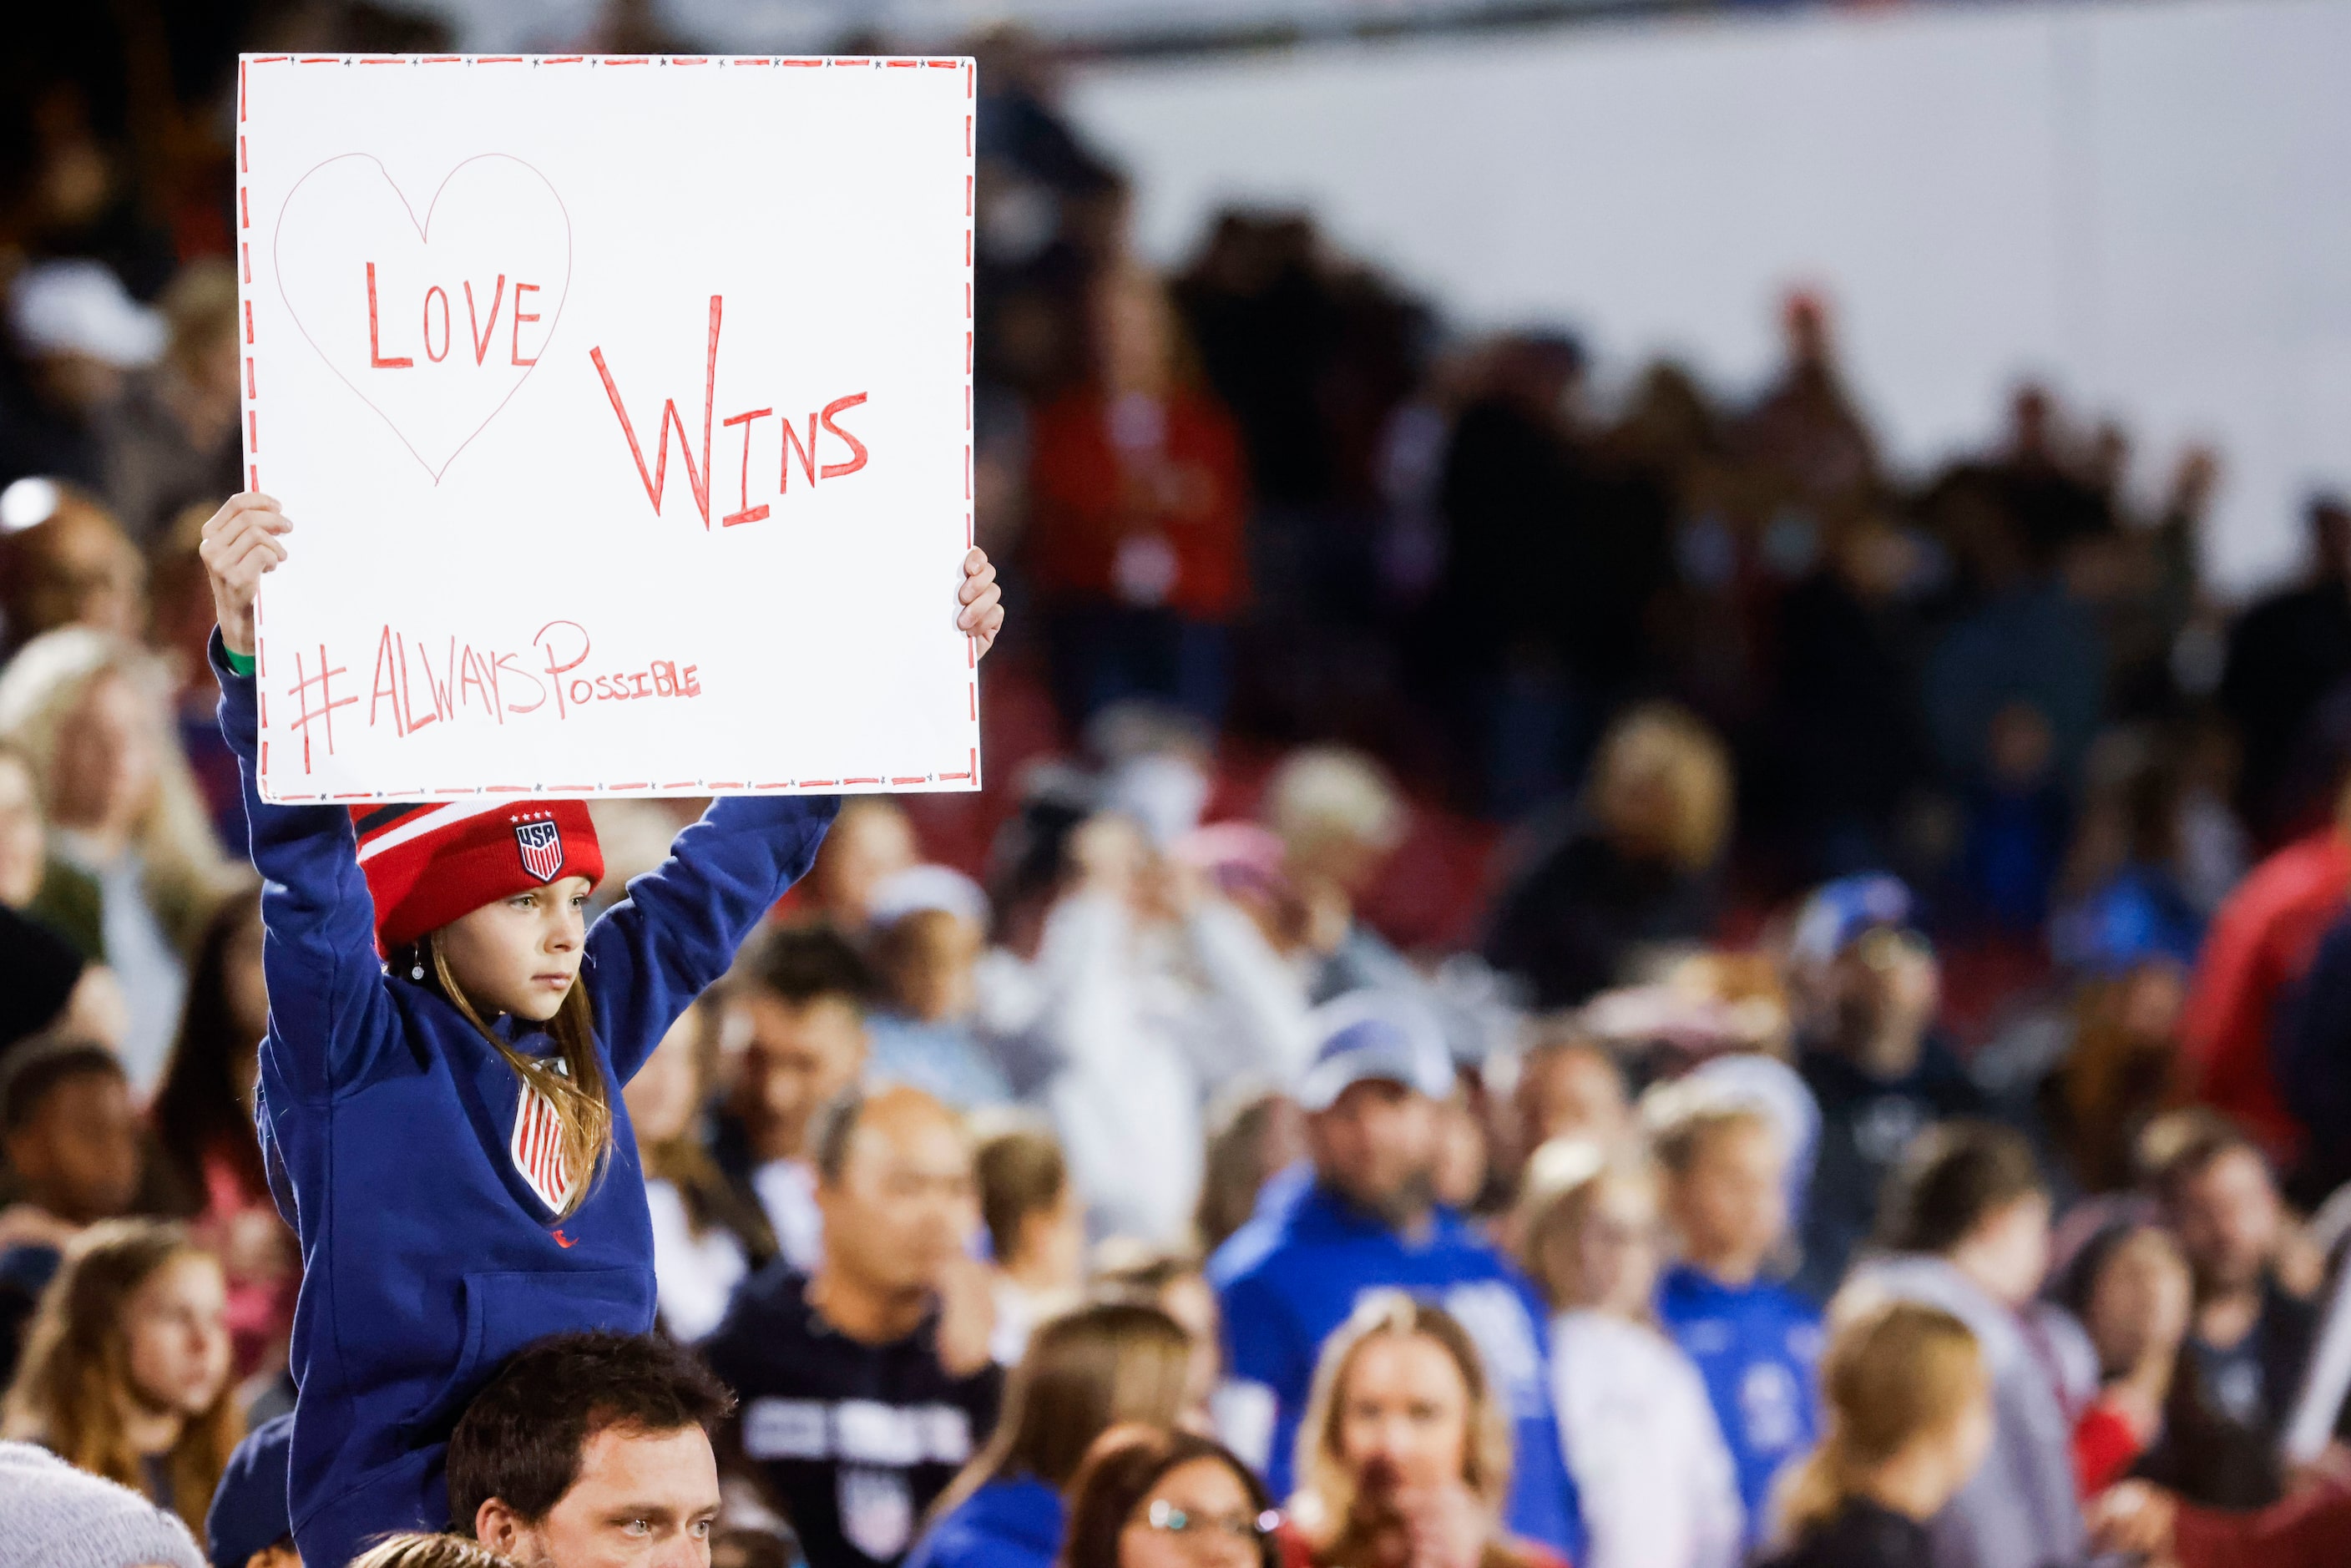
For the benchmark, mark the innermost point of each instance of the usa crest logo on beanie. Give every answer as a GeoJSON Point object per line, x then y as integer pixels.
{"type": "Point", "coordinates": [541, 842]}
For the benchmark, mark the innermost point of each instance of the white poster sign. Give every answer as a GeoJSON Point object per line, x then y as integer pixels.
{"type": "Point", "coordinates": [622, 409]}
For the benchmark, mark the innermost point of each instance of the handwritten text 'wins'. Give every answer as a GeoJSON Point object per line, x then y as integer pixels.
{"type": "Point", "coordinates": [697, 476]}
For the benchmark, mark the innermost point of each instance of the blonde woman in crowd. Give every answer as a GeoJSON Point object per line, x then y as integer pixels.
{"type": "Point", "coordinates": [1085, 1371]}
{"type": "Point", "coordinates": [84, 709]}
{"type": "Point", "coordinates": [126, 1370]}
{"type": "Point", "coordinates": [1909, 1420]}
{"type": "Point", "coordinates": [1404, 1456]}
{"type": "Point", "coordinates": [1630, 872]}
{"type": "Point", "coordinates": [1652, 1474]}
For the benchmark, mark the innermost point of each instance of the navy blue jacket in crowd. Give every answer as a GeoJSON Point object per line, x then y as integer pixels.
{"type": "Point", "coordinates": [427, 1258]}
{"type": "Point", "coordinates": [1293, 1273]}
{"type": "Point", "coordinates": [1004, 1524]}
{"type": "Point", "coordinates": [1758, 1347]}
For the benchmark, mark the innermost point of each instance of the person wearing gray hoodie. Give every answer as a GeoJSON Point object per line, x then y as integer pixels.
{"type": "Point", "coordinates": [1964, 1226]}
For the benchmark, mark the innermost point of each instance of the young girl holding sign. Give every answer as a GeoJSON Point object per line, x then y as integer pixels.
{"type": "Point", "coordinates": [446, 1130]}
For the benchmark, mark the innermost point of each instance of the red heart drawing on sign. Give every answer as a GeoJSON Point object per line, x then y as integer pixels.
{"type": "Point", "coordinates": [435, 324]}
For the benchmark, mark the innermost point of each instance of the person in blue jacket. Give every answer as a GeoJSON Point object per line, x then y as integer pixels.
{"type": "Point", "coordinates": [445, 1132]}
{"type": "Point", "coordinates": [1365, 1218]}
{"type": "Point", "coordinates": [1756, 1342]}
{"type": "Point", "coordinates": [1092, 1368]}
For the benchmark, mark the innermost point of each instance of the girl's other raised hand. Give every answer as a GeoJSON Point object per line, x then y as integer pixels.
{"type": "Point", "coordinates": [244, 540]}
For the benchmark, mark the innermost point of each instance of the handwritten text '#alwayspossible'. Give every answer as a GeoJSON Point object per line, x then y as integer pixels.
{"type": "Point", "coordinates": [421, 682]}
{"type": "Point", "coordinates": [793, 443]}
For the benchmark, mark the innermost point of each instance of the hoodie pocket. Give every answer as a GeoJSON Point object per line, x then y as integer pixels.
{"type": "Point", "coordinates": [507, 1309]}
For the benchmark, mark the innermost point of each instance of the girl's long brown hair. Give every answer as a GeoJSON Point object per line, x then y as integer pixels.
{"type": "Point", "coordinates": [581, 1098]}
{"type": "Point", "coordinates": [1090, 1369]}
{"type": "Point", "coordinates": [74, 1377]}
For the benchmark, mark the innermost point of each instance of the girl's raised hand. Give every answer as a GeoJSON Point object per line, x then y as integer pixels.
{"type": "Point", "coordinates": [245, 538]}
{"type": "Point", "coordinates": [983, 602]}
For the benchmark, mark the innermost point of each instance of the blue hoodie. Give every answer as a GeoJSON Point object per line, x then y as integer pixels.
{"type": "Point", "coordinates": [1759, 1348]}
{"type": "Point", "coordinates": [1004, 1524]}
{"type": "Point", "coordinates": [427, 1260]}
{"type": "Point", "coordinates": [1293, 1273]}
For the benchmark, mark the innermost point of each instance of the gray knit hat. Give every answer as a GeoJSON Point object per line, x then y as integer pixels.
{"type": "Point", "coordinates": [54, 1516]}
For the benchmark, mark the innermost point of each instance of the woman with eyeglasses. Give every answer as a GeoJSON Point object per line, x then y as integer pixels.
{"type": "Point", "coordinates": [1404, 1456]}
{"type": "Point", "coordinates": [1151, 1496]}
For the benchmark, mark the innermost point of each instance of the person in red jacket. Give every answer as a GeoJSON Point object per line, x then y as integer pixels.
{"type": "Point", "coordinates": [2262, 941]}
{"type": "Point", "coordinates": [1138, 498]}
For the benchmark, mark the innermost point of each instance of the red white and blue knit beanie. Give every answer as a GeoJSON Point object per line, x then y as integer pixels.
{"type": "Point", "coordinates": [427, 864]}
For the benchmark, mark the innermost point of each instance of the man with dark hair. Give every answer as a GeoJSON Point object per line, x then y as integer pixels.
{"type": "Point", "coordinates": [1965, 1225]}
{"type": "Point", "coordinates": [797, 1000]}
{"type": "Point", "coordinates": [867, 1383]}
{"type": "Point", "coordinates": [71, 1133]}
{"type": "Point", "coordinates": [2249, 1338]}
{"type": "Point", "coordinates": [591, 1450]}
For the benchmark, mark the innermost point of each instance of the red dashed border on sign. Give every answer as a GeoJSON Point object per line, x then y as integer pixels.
{"type": "Point", "coordinates": [970, 773]}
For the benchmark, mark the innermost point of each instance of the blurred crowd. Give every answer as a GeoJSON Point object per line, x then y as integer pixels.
{"type": "Point", "coordinates": [1560, 966]}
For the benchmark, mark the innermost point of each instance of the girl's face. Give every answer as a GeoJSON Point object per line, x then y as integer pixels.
{"type": "Point", "coordinates": [521, 955]}
{"type": "Point", "coordinates": [2139, 1302]}
{"type": "Point", "coordinates": [1405, 1408]}
{"type": "Point", "coordinates": [933, 970]}
{"type": "Point", "coordinates": [22, 842]}
{"type": "Point", "coordinates": [666, 1093]}
{"type": "Point", "coordinates": [176, 1330]}
{"type": "Point", "coordinates": [1199, 1516]}
{"type": "Point", "coordinates": [106, 757]}
{"type": "Point", "coordinates": [1616, 1251]}
{"type": "Point", "coordinates": [1731, 1204]}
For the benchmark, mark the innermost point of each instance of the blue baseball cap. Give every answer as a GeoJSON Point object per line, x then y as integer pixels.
{"type": "Point", "coordinates": [2136, 918]}
{"type": "Point", "coordinates": [249, 1513]}
{"type": "Point", "coordinates": [1365, 1036]}
{"type": "Point", "coordinates": [1840, 912]}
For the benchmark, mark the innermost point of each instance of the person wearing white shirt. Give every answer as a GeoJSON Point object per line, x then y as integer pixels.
{"type": "Point", "coordinates": [1652, 1473]}
{"type": "Point", "coordinates": [706, 1238]}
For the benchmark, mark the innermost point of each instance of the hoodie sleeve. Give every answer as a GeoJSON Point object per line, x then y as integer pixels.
{"type": "Point", "coordinates": [656, 951]}
{"type": "Point", "coordinates": [329, 1021]}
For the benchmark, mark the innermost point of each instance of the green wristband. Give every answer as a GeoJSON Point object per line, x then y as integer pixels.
{"type": "Point", "coordinates": [238, 664]}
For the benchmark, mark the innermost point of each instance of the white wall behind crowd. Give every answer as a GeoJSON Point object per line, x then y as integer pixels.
{"type": "Point", "coordinates": [2146, 204]}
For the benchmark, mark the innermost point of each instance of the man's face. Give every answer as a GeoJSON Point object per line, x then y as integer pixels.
{"type": "Point", "coordinates": [2227, 1216]}
{"type": "Point", "coordinates": [1571, 1092]}
{"type": "Point", "coordinates": [1887, 982]}
{"type": "Point", "coordinates": [79, 1154]}
{"type": "Point", "coordinates": [1378, 1145]}
{"type": "Point", "coordinates": [644, 1500]}
{"type": "Point", "coordinates": [796, 1059]}
{"type": "Point", "coordinates": [906, 1202]}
